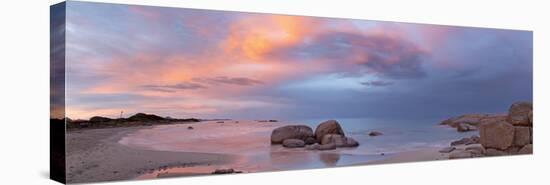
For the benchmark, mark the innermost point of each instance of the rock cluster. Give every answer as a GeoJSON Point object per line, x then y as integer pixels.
{"type": "Point", "coordinates": [471, 122]}
{"type": "Point", "coordinates": [508, 135]}
{"type": "Point", "coordinates": [328, 135]}
{"type": "Point", "coordinates": [512, 136]}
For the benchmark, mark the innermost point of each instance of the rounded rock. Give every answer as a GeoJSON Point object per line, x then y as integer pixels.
{"type": "Point", "coordinates": [328, 127]}
{"type": "Point", "coordinates": [301, 132]}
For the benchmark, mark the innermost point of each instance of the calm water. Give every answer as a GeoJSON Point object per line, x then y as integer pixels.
{"type": "Point", "coordinates": [398, 135]}
{"type": "Point", "coordinates": [249, 141]}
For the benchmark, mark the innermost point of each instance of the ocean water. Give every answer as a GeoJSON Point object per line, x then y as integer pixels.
{"type": "Point", "coordinates": [248, 141]}
{"type": "Point", "coordinates": [398, 135]}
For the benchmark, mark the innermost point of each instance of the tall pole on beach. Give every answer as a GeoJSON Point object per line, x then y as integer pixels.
{"type": "Point", "coordinates": [121, 114]}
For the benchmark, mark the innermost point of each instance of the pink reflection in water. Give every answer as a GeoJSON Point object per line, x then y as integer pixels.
{"type": "Point", "coordinates": [248, 140]}
{"type": "Point", "coordinates": [230, 137]}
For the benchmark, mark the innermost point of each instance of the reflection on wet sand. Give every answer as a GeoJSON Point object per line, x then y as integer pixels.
{"type": "Point", "coordinates": [248, 141]}
{"type": "Point", "coordinates": [274, 161]}
{"type": "Point", "coordinates": [329, 159]}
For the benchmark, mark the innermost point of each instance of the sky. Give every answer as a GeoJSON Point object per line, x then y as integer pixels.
{"type": "Point", "coordinates": [218, 64]}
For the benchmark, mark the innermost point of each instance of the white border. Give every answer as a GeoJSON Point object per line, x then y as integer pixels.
{"type": "Point", "coordinates": [25, 103]}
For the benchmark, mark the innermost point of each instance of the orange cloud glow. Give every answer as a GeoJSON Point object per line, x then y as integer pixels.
{"type": "Point", "coordinates": [252, 41]}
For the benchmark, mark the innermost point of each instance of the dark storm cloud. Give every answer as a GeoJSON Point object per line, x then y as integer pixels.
{"type": "Point", "coordinates": [491, 70]}
{"type": "Point", "coordinates": [386, 56]}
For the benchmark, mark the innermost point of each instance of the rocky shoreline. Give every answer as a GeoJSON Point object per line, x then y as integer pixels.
{"type": "Point", "coordinates": [499, 135]}
{"type": "Point", "coordinates": [95, 153]}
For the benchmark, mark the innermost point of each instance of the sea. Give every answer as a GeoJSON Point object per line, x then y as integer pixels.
{"type": "Point", "coordinates": [248, 142]}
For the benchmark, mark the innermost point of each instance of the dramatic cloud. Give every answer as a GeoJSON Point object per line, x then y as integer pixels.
{"type": "Point", "coordinates": [384, 55]}
{"type": "Point", "coordinates": [250, 41]}
{"type": "Point", "coordinates": [220, 64]}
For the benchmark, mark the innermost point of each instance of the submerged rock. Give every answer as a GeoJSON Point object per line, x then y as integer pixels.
{"type": "Point", "coordinates": [375, 133]}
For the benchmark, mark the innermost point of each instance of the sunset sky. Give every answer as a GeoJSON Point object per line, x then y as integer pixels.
{"type": "Point", "coordinates": [217, 64]}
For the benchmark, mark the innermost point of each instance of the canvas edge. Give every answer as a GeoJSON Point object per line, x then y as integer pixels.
{"type": "Point", "coordinates": [57, 93]}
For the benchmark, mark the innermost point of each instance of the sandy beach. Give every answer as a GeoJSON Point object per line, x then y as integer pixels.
{"type": "Point", "coordinates": [429, 154]}
{"type": "Point", "coordinates": [172, 150]}
{"type": "Point", "coordinates": [95, 155]}
{"type": "Point", "coordinates": [243, 146]}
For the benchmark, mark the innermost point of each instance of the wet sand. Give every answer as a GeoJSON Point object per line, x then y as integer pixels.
{"type": "Point", "coordinates": [428, 154]}
{"type": "Point", "coordinates": [147, 152]}
{"type": "Point", "coordinates": [247, 140]}
{"type": "Point", "coordinates": [95, 155]}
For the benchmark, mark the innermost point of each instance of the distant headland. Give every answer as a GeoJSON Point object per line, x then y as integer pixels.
{"type": "Point", "coordinates": [139, 119]}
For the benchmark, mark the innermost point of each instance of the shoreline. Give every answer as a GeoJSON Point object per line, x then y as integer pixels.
{"type": "Point", "coordinates": [94, 155]}
{"type": "Point", "coordinates": [102, 155]}
{"type": "Point", "coordinates": [418, 155]}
